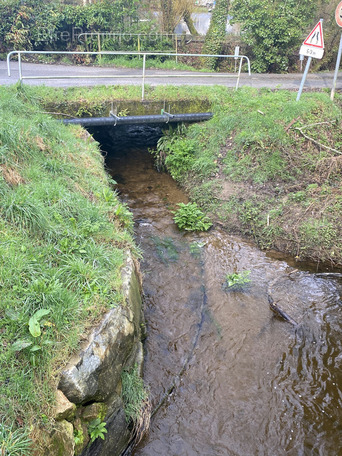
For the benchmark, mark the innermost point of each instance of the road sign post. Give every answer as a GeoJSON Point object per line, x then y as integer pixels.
{"type": "Point", "coordinates": [338, 18]}
{"type": "Point", "coordinates": [308, 63]}
{"type": "Point", "coordinates": [312, 47]}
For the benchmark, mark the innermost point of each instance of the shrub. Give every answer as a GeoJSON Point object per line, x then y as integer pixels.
{"type": "Point", "coordinates": [273, 29]}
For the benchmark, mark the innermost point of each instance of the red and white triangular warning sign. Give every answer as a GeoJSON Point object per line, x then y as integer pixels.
{"type": "Point", "coordinates": [315, 38]}
{"type": "Point", "coordinates": [313, 45]}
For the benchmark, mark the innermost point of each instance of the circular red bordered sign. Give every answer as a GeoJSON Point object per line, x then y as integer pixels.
{"type": "Point", "coordinates": [338, 14]}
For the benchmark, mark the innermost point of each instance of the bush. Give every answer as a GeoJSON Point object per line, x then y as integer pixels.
{"type": "Point", "coordinates": [37, 25]}
{"type": "Point", "coordinates": [273, 29]}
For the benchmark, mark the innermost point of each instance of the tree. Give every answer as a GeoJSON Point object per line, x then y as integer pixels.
{"type": "Point", "coordinates": [173, 11]}
{"type": "Point", "coordinates": [274, 29]}
{"type": "Point", "coordinates": [217, 32]}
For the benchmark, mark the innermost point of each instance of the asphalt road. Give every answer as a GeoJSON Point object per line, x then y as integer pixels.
{"type": "Point", "coordinates": [126, 76]}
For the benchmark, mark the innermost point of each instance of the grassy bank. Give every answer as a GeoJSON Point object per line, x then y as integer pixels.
{"type": "Point", "coordinates": [267, 167]}
{"type": "Point", "coordinates": [63, 236]}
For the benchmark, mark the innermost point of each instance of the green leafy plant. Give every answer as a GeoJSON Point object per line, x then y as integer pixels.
{"type": "Point", "coordinates": [36, 343]}
{"type": "Point", "coordinates": [195, 249]}
{"type": "Point", "coordinates": [97, 428]}
{"type": "Point", "coordinates": [78, 437]}
{"type": "Point", "coordinates": [189, 217]}
{"type": "Point", "coordinates": [237, 280]}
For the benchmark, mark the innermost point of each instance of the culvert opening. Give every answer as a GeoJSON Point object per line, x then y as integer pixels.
{"type": "Point", "coordinates": [115, 139]}
{"type": "Point", "coordinates": [128, 146]}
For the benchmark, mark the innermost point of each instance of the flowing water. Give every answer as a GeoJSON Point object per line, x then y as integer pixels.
{"type": "Point", "coordinates": [252, 384]}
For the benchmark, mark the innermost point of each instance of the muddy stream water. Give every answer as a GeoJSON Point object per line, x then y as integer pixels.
{"type": "Point", "coordinates": [253, 383]}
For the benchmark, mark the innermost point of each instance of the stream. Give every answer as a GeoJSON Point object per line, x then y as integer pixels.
{"type": "Point", "coordinates": [253, 384]}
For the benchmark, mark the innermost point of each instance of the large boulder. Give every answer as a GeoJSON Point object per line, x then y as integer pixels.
{"type": "Point", "coordinates": [95, 376]}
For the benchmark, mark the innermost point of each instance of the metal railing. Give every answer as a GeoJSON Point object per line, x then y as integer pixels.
{"type": "Point", "coordinates": [143, 76]}
{"type": "Point", "coordinates": [124, 37]}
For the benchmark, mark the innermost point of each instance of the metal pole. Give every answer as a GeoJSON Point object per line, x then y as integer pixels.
{"type": "Point", "coordinates": [238, 79]}
{"type": "Point", "coordinates": [99, 47]}
{"type": "Point", "coordinates": [20, 69]}
{"type": "Point", "coordinates": [8, 64]}
{"type": "Point", "coordinates": [338, 61]}
{"type": "Point", "coordinates": [308, 63]}
{"type": "Point", "coordinates": [176, 48]}
{"type": "Point", "coordinates": [143, 78]}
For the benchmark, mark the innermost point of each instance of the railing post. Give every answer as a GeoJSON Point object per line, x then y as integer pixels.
{"type": "Point", "coordinates": [143, 78]}
{"type": "Point", "coordinates": [238, 79]}
{"type": "Point", "coordinates": [176, 48]}
{"type": "Point", "coordinates": [20, 68]}
{"type": "Point", "coordinates": [99, 47]}
{"type": "Point", "coordinates": [8, 64]}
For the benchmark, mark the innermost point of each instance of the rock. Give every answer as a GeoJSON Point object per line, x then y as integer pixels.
{"type": "Point", "coordinates": [116, 439]}
{"type": "Point", "coordinates": [65, 410]}
{"type": "Point", "coordinates": [99, 369]}
{"type": "Point", "coordinates": [62, 440]}
{"type": "Point", "coordinates": [93, 411]}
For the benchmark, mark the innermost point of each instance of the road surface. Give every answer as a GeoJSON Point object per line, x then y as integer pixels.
{"type": "Point", "coordinates": [127, 76]}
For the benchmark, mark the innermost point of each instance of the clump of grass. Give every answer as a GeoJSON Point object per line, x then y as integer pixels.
{"type": "Point", "coordinates": [134, 394]}
{"type": "Point", "coordinates": [13, 442]}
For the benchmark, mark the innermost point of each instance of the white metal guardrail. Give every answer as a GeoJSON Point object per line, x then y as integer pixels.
{"type": "Point", "coordinates": [143, 76]}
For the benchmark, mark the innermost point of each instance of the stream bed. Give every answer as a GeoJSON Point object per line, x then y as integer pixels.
{"type": "Point", "coordinates": [253, 384]}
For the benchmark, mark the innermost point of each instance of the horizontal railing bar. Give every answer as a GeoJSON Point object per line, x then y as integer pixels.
{"type": "Point", "coordinates": [171, 54]}
{"type": "Point", "coordinates": [135, 76]}
{"type": "Point", "coordinates": [152, 35]}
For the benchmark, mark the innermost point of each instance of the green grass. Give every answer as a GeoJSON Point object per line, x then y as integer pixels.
{"type": "Point", "coordinates": [134, 394]}
{"type": "Point", "coordinates": [63, 233]}
{"type": "Point", "coordinates": [163, 63]}
{"type": "Point", "coordinates": [95, 100]}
